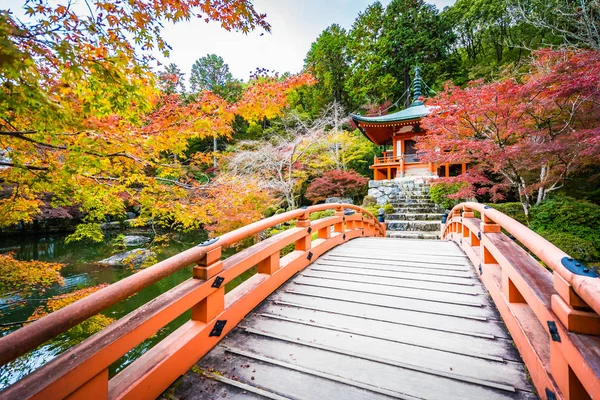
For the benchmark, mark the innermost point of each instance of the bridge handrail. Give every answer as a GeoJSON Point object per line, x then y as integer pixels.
{"type": "Point", "coordinates": [551, 308]}
{"type": "Point", "coordinates": [586, 287]}
{"type": "Point", "coordinates": [32, 335]}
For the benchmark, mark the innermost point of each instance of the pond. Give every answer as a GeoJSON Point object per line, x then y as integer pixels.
{"type": "Point", "coordinates": [81, 271]}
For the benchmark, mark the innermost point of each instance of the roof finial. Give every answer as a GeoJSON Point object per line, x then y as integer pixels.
{"type": "Point", "coordinates": [417, 88]}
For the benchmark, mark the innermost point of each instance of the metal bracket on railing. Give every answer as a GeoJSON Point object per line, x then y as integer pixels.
{"type": "Point", "coordinates": [309, 256]}
{"type": "Point", "coordinates": [479, 235]}
{"type": "Point", "coordinates": [480, 269]}
{"type": "Point", "coordinates": [208, 242]}
{"type": "Point", "coordinates": [487, 207]}
{"type": "Point", "coordinates": [309, 230]}
{"type": "Point", "coordinates": [550, 395]}
{"type": "Point", "coordinates": [577, 267]}
{"type": "Point", "coordinates": [553, 331]}
{"type": "Point", "coordinates": [218, 282]}
{"type": "Point", "coordinates": [218, 328]}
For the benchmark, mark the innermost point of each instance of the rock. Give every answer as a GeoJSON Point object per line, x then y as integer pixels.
{"type": "Point", "coordinates": [133, 258]}
{"type": "Point", "coordinates": [133, 240]}
{"type": "Point", "coordinates": [383, 200]}
{"type": "Point", "coordinates": [339, 200]}
{"type": "Point", "coordinates": [131, 215]}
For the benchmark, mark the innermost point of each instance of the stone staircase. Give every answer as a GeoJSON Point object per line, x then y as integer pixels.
{"type": "Point", "coordinates": [415, 215]}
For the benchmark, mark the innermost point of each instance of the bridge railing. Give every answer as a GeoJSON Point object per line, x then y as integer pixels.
{"type": "Point", "coordinates": [551, 306]}
{"type": "Point", "coordinates": [82, 371]}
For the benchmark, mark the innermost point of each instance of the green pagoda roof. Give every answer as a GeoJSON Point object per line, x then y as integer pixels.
{"type": "Point", "coordinates": [415, 111]}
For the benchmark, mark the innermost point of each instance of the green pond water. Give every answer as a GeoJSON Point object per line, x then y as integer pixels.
{"type": "Point", "coordinates": [81, 271]}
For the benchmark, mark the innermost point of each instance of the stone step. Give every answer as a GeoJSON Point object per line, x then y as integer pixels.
{"type": "Point", "coordinates": [408, 199]}
{"type": "Point", "coordinates": [423, 226]}
{"type": "Point", "coordinates": [413, 235]}
{"type": "Point", "coordinates": [417, 210]}
{"type": "Point", "coordinates": [414, 217]}
{"type": "Point", "coordinates": [401, 204]}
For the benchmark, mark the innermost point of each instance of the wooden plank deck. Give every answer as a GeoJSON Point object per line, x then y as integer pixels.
{"type": "Point", "coordinates": [373, 318]}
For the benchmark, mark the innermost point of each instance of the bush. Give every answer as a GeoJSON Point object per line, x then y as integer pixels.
{"type": "Point", "coordinates": [513, 210]}
{"type": "Point", "coordinates": [440, 191]}
{"type": "Point", "coordinates": [576, 247]}
{"type": "Point", "coordinates": [337, 183]}
{"type": "Point", "coordinates": [321, 214]}
{"type": "Point", "coordinates": [388, 208]}
{"type": "Point", "coordinates": [565, 214]}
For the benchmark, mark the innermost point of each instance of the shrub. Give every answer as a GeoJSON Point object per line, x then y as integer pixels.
{"type": "Point", "coordinates": [337, 183]}
{"type": "Point", "coordinates": [321, 214]}
{"type": "Point", "coordinates": [576, 247]}
{"type": "Point", "coordinates": [388, 208]}
{"type": "Point", "coordinates": [440, 191]}
{"type": "Point", "coordinates": [564, 214]}
{"type": "Point", "coordinates": [513, 210]}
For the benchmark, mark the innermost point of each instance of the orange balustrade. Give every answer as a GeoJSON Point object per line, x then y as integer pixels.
{"type": "Point", "coordinates": [387, 160]}
{"type": "Point", "coordinates": [551, 309]}
{"type": "Point", "coordinates": [82, 371]}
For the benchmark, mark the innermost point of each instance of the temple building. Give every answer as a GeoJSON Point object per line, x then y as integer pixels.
{"type": "Point", "coordinates": [396, 133]}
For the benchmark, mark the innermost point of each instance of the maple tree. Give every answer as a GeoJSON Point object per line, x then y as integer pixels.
{"type": "Point", "coordinates": [533, 133]}
{"type": "Point", "coordinates": [81, 117]}
{"type": "Point", "coordinates": [336, 183]}
{"type": "Point", "coordinates": [83, 120]}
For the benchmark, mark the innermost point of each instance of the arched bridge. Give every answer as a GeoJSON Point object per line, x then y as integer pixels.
{"type": "Point", "coordinates": [492, 311]}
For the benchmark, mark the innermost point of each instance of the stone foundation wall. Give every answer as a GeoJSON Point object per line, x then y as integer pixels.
{"type": "Point", "coordinates": [388, 190]}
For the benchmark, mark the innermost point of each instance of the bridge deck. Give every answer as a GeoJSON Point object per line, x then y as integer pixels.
{"type": "Point", "coordinates": [373, 318]}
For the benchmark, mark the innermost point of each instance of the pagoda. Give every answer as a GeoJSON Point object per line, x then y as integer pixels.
{"type": "Point", "coordinates": [396, 133]}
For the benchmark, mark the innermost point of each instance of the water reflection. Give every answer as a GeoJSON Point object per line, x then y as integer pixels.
{"type": "Point", "coordinates": [81, 271]}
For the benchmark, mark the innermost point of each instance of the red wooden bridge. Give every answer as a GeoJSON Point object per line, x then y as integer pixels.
{"type": "Point", "coordinates": [347, 314]}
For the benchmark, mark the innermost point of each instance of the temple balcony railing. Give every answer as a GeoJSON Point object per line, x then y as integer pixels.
{"type": "Point", "coordinates": [396, 160]}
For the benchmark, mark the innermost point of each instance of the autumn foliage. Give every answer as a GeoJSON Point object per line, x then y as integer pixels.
{"type": "Point", "coordinates": [86, 328]}
{"type": "Point", "coordinates": [82, 118]}
{"type": "Point", "coordinates": [528, 134]}
{"type": "Point", "coordinates": [26, 277]}
{"type": "Point", "coordinates": [336, 183]}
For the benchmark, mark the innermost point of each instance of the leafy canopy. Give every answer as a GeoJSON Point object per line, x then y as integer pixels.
{"type": "Point", "coordinates": [82, 118]}
{"type": "Point", "coordinates": [533, 133]}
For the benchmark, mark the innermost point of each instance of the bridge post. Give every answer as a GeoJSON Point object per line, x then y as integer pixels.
{"type": "Point", "coordinates": [564, 376]}
{"type": "Point", "coordinates": [468, 213]}
{"type": "Point", "coordinates": [339, 227]}
{"type": "Point", "coordinates": [270, 264]}
{"type": "Point", "coordinates": [209, 265]}
{"type": "Point", "coordinates": [305, 242]}
{"type": "Point", "coordinates": [487, 226]}
{"type": "Point", "coordinates": [211, 306]}
{"type": "Point", "coordinates": [575, 314]}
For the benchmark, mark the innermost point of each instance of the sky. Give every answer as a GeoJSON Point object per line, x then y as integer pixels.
{"type": "Point", "coordinates": [295, 24]}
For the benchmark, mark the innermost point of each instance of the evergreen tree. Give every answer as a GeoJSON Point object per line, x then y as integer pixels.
{"type": "Point", "coordinates": [414, 34]}
{"type": "Point", "coordinates": [328, 61]}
